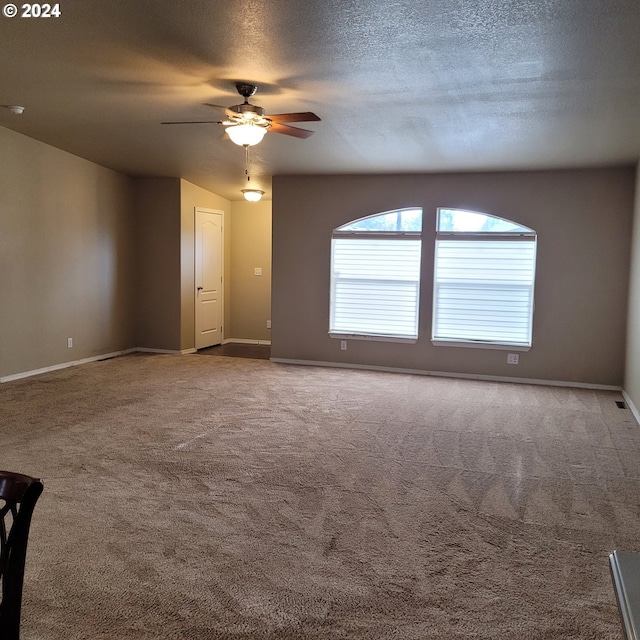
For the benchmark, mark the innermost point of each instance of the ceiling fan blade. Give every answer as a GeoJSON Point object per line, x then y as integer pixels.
{"type": "Point", "coordinates": [195, 122]}
{"type": "Point", "coordinates": [305, 116]}
{"type": "Point", "coordinates": [296, 132]}
{"type": "Point", "coordinates": [227, 112]}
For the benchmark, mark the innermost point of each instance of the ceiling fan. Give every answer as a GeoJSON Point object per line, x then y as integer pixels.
{"type": "Point", "coordinates": [246, 123]}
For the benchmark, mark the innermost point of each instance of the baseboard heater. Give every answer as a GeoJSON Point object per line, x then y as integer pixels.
{"type": "Point", "coordinates": [625, 573]}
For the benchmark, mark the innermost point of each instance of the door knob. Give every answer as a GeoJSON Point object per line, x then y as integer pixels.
{"type": "Point", "coordinates": [199, 288]}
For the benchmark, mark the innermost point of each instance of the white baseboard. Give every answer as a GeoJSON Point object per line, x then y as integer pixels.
{"type": "Point", "coordinates": [339, 365]}
{"type": "Point", "coordinates": [245, 341]}
{"type": "Point", "coordinates": [446, 374]}
{"type": "Point", "coordinates": [75, 363]}
{"type": "Point", "coordinates": [148, 350]}
{"type": "Point", "coordinates": [632, 407]}
{"type": "Point", "coordinates": [106, 356]}
{"type": "Point", "coordinates": [65, 365]}
{"type": "Point", "coordinates": [169, 351]}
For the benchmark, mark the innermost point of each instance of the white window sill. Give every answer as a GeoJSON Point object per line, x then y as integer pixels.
{"type": "Point", "coordinates": [501, 346]}
{"type": "Point", "coordinates": [360, 336]}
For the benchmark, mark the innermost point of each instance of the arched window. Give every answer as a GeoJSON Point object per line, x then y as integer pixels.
{"type": "Point", "coordinates": [375, 276]}
{"type": "Point", "coordinates": [484, 280]}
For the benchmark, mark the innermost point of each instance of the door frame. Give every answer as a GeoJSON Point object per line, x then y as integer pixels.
{"type": "Point", "coordinates": [195, 275]}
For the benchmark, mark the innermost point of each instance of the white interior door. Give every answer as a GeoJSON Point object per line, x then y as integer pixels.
{"type": "Point", "coordinates": [208, 277]}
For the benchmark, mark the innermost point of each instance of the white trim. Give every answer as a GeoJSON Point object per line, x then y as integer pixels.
{"type": "Point", "coordinates": [447, 374]}
{"type": "Point", "coordinates": [104, 356]}
{"type": "Point", "coordinates": [65, 365]}
{"type": "Point", "coordinates": [634, 409]}
{"type": "Point", "coordinates": [338, 365]}
{"type": "Point", "coordinates": [114, 354]}
{"type": "Point", "coordinates": [245, 341]}
{"type": "Point", "coordinates": [376, 234]}
{"type": "Point", "coordinates": [375, 338]}
{"type": "Point", "coordinates": [480, 345]}
{"type": "Point", "coordinates": [169, 351]}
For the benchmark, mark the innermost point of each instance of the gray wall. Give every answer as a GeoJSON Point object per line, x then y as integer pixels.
{"type": "Point", "coordinates": [583, 219]}
{"type": "Point", "coordinates": [632, 369]}
{"type": "Point", "coordinates": [157, 216]}
{"type": "Point", "coordinates": [165, 227]}
{"type": "Point", "coordinates": [66, 257]}
{"type": "Point", "coordinates": [90, 254]}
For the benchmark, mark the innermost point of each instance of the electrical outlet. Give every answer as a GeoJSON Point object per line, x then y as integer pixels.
{"type": "Point", "coordinates": [343, 345]}
{"type": "Point", "coordinates": [268, 324]}
{"type": "Point", "coordinates": [513, 358]}
{"type": "Point", "coordinates": [69, 343]}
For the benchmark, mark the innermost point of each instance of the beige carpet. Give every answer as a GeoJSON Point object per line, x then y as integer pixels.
{"type": "Point", "coordinates": [214, 497]}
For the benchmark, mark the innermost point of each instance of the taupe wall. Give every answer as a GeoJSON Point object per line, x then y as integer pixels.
{"type": "Point", "coordinates": [193, 196]}
{"type": "Point", "coordinates": [583, 219]}
{"type": "Point", "coordinates": [250, 247]}
{"type": "Point", "coordinates": [90, 254]}
{"type": "Point", "coordinates": [157, 238]}
{"type": "Point", "coordinates": [165, 226]}
{"type": "Point", "coordinates": [632, 369]}
{"type": "Point", "coordinates": [107, 260]}
{"type": "Point", "coordinates": [66, 257]}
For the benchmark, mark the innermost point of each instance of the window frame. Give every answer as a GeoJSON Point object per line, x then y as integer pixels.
{"type": "Point", "coordinates": [524, 235]}
{"type": "Point", "coordinates": [378, 234]}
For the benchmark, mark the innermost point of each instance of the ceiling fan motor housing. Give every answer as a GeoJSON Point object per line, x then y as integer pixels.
{"type": "Point", "coordinates": [250, 110]}
{"type": "Point", "coordinates": [246, 89]}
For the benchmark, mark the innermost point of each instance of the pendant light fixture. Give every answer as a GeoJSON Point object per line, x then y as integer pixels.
{"type": "Point", "coordinates": [252, 195]}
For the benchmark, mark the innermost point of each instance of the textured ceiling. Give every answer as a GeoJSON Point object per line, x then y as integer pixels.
{"type": "Point", "coordinates": [400, 85]}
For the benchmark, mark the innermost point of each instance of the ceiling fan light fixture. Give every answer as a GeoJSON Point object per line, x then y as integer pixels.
{"type": "Point", "coordinates": [246, 134]}
{"type": "Point", "coordinates": [252, 195]}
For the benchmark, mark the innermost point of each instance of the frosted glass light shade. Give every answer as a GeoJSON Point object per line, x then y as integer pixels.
{"type": "Point", "coordinates": [252, 195]}
{"type": "Point", "coordinates": [246, 135]}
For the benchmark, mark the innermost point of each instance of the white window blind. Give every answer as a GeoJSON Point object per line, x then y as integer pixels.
{"type": "Point", "coordinates": [484, 290]}
{"type": "Point", "coordinates": [375, 286]}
